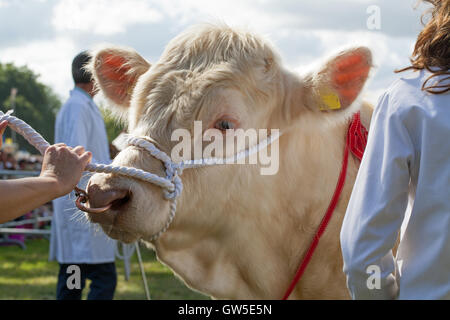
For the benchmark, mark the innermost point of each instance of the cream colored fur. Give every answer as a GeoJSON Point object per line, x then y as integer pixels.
{"type": "Point", "coordinates": [238, 234]}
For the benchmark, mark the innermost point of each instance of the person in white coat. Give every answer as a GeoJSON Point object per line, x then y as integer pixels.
{"type": "Point", "coordinates": [73, 240]}
{"type": "Point", "coordinates": [406, 162]}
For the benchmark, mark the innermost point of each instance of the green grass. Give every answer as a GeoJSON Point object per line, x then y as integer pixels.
{"type": "Point", "coordinates": [28, 275]}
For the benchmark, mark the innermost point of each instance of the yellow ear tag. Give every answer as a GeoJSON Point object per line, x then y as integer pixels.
{"type": "Point", "coordinates": [329, 100]}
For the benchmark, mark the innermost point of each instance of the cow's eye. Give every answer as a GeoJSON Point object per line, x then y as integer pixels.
{"type": "Point", "coordinates": [224, 125]}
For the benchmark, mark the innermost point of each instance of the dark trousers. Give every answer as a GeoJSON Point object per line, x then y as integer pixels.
{"type": "Point", "coordinates": [103, 281]}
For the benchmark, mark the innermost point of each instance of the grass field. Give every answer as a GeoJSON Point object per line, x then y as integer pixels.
{"type": "Point", "coordinates": [27, 274]}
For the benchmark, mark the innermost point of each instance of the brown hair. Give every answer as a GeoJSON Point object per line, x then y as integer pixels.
{"type": "Point", "coordinates": [432, 47]}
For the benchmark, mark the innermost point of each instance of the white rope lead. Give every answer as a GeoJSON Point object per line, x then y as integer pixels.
{"type": "Point", "coordinates": [141, 266]}
{"type": "Point", "coordinates": [172, 184]}
{"type": "Point", "coordinates": [172, 188]}
{"type": "Point", "coordinates": [36, 140]}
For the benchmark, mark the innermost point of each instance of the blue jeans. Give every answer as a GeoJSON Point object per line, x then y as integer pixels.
{"type": "Point", "coordinates": [103, 281]}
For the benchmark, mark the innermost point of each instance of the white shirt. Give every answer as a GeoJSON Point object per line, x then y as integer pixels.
{"type": "Point", "coordinates": [73, 239]}
{"type": "Point", "coordinates": [407, 156]}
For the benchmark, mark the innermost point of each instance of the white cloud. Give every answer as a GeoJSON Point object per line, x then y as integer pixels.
{"type": "Point", "coordinates": [302, 31]}
{"type": "Point", "coordinates": [249, 13]}
{"type": "Point", "coordinates": [51, 59]}
{"type": "Point", "coordinates": [102, 17]}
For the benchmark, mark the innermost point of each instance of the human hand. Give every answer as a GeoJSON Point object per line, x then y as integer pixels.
{"type": "Point", "coordinates": [3, 126]}
{"type": "Point", "coordinates": [64, 166]}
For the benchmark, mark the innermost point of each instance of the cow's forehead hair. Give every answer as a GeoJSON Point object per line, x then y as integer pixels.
{"type": "Point", "coordinates": [193, 64]}
{"type": "Point", "coordinates": [204, 45]}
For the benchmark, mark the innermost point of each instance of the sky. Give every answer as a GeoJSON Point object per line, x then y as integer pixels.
{"type": "Point", "coordinates": [45, 35]}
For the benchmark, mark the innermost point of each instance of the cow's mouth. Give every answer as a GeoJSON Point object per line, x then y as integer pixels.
{"type": "Point", "coordinates": [119, 234]}
{"type": "Point", "coordinates": [115, 230]}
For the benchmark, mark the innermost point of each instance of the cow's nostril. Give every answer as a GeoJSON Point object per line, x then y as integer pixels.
{"type": "Point", "coordinates": [119, 203]}
{"type": "Point", "coordinates": [113, 199]}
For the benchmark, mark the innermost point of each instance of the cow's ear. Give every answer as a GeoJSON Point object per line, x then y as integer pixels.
{"type": "Point", "coordinates": [116, 72]}
{"type": "Point", "coordinates": [340, 81]}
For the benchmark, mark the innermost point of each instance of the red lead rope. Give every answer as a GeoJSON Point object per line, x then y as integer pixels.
{"type": "Point", "coordinates": [356, 142]}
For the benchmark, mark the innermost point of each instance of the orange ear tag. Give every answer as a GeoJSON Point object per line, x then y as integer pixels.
{"type": "Point", "coordinates": [329, 100]}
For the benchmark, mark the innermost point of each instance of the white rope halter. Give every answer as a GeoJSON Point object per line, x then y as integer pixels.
{"type": "Point", "coordinates": [171, 184]}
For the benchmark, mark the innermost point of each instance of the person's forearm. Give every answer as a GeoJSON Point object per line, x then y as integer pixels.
{"type": "Point", "coordinates": [20, 196]}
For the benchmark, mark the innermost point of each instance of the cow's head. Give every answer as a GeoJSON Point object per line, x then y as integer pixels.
{"type": "Point", "coordinates": [225, 79]}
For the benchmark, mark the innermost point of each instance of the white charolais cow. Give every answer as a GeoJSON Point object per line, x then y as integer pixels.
{"type": "Point", "coordinates": [237, 234]}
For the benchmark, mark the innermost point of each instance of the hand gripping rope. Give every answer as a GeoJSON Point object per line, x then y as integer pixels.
{"type": "Point", "coordinates": [171, 184]}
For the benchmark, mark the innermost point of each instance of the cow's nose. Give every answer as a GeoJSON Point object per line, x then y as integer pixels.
{"type": "Point", "coordinates": [113, 199]}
